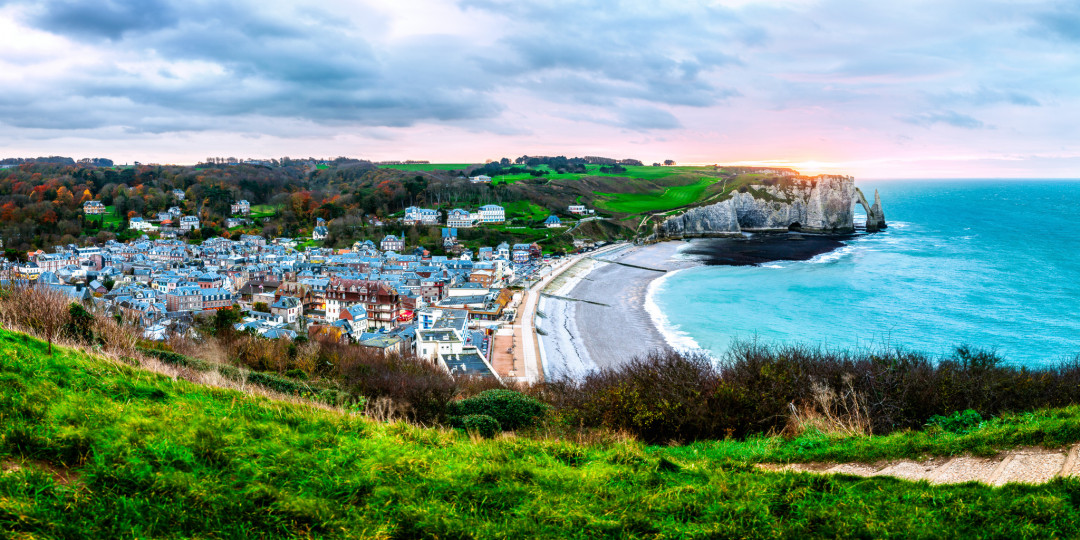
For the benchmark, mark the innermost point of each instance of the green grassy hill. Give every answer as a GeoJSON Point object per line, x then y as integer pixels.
{"type": "Point", "coordinates": [95, 448]}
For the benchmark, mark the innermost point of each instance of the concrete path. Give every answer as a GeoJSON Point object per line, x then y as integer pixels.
{"type": "Point", "coordinates": [1025, 466]}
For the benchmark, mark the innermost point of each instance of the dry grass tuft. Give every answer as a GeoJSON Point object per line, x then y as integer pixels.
{"type": "Point", "coordinates": [842, 412]}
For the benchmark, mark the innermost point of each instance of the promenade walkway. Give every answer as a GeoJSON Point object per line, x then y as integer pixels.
{"type": "Point", "coordinates": [517, 355]}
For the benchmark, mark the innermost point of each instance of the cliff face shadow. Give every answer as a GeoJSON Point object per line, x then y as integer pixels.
{"type": "Point", "coordinates": [761, 248]}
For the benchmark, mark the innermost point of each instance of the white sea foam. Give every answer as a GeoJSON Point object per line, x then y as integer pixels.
{"type": "Point", "coordinates": [680, 252]}
{"type": "Point", "coordinates": [675, 338]}
{"type": "Point", "coordinates": [832, 256]}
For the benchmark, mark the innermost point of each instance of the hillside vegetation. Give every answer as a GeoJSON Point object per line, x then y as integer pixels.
{"type": "Point", "coordinates": [92, 447]}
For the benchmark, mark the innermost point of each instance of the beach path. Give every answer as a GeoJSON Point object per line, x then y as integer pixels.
{"type": "Point", "coordinates": [1022, 466]}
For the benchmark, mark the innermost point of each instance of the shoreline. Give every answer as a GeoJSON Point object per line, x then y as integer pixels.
{"type": "Point", "coordinates": [676, 339]}
{"type": "Point", "coordinates": [606, 313]}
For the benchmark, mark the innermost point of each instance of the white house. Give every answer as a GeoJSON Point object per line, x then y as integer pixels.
{"type": "Point", "coordinates": [424, 216]}
{"type": "Point", "coordinates": [577, 209]}
{"type": "Point", "coordinates": [179, 194]}
{"type": "Point", "coordinates": [430, 344]}
{"type": "Point", "coordinates": [140, 224]}
{"type": "Point", "coordinates": [492, 213]}
{"type": "Point", "coordinates": [459, 218]}
{"type": "Point", "coordinates": [189, 223]}
{"type": "Point", "coordinates": [553, 221]}
{"type": "Point", "coordinates": [480, 179]}
{"type": "Point", "coordinates": [319, 233]}
{"type": "Point", "coordinates": [241, 207]}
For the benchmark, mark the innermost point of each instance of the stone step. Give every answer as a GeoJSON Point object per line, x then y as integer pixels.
{"type": "Point", "coordinates": [1070, 468]}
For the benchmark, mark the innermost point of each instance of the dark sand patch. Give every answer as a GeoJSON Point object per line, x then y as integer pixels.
{"type": "Point", "coordinates": [763, 248]}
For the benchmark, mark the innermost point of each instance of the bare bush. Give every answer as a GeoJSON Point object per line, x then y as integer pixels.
{"type": "Point", "coordinates": [385, 409]}
{"type": "Point", "coordinates": [119, 338]}
{"type": "Point", "coordinates": [830, 410]}
{"type": "Point", "coordinates": [419, 389]}
{"type": "Point", "coordinates": [41, 311]}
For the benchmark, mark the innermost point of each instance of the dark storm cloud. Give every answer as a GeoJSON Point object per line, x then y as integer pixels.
{"type": "Point", "coordinates": [308, 65]}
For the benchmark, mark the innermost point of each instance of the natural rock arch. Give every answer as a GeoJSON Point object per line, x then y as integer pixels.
{"type": "Point", "coordinates": [875, 216]}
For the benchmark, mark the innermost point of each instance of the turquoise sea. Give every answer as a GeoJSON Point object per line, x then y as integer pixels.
{"type": "Point", "coordinates": [990, 263]}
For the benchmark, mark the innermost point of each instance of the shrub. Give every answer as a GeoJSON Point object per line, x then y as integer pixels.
{"type": "Point", "coordinates": [418, 391]}
{"type": "Point", "coordinates": [278, 383]}
{"type": "Point", "coordinates": [480, 424]}
{"type": "Point", "coordinates": [957, 422]}
{"type": "Point", "coordinates": [175, 359]}
{"type": "Point", "coordinates": [660, 397]}
{"type": "Point", "coordinates": [80, 325]}
{"type": "Point", "coordinates": [513, 410]}
{"type": "Point", "coordinates": [670, 396]}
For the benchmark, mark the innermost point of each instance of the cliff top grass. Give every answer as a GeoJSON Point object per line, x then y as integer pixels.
{"type": "Point", "coordinates": [94, 448]}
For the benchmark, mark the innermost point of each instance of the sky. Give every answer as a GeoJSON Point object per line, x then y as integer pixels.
{"type": "Point", "coordinates": [907, 89]}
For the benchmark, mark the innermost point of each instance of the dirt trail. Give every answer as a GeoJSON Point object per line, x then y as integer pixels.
{"type": "Point", "coordinates": [1026, 466]}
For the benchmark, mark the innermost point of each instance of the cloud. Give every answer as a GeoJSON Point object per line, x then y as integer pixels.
{"type": "Point", "coordinates": [951, 118]}
{"type": "Point", "coordinates": [647, 118]}
{"type": "Point", "coordinates": [835, 76]}
{"type": "Point", "coordinates": [97, 19]}
{"type": "Point", "coordinates": [285, 63]}
{"type": "Point", "coordinates": [987, 96]}
{"type": "Point", "coordinates": [1062, 22]}
{"type": "Point", "coordinates": [597, 53]}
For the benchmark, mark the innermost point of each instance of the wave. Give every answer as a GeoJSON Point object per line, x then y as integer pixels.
{"type": "Point", "coordinates": [832, 256]}
{"type": "Point", "coordinates": [676, 339]}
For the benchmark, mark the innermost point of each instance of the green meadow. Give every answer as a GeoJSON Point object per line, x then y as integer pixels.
{"type": "Point", "coordinates": [259, 211]}
{"type": "Point", "coordinates": [669, 198]}
{"type": "Point", "coordinates": [525, 210]}
{"type": "Point", "coordinates": [429, 166]}
{"type": "Point", "coordinates": [95, 448]}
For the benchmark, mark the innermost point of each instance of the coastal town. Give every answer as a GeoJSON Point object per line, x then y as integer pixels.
{"type": "Point", "coordinates": [459, 311]}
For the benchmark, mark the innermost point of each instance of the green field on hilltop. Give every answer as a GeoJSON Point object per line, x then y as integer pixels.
{"type": "Point", "coordinates": [110, 217]}
{"type": "Point", "coordinates": [644, 172]}
{"type": "Point", "coordinates": [94, 448]}
{"type": "Point", "coordinates": [259, 211]}
{"type": "Point", "coordinates": [429, 166]}
{"type": "Point", "coordinates": [525, 210]}
{"type": "Point", "coordinates": [669, 198]}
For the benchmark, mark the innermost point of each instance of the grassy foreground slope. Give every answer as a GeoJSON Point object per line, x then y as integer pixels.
{"type": "Point", "coordinates": [93, 448]}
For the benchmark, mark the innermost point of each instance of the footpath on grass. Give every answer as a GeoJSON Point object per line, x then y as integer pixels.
{"type": "Point", "coordinates": [1023, 466]}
